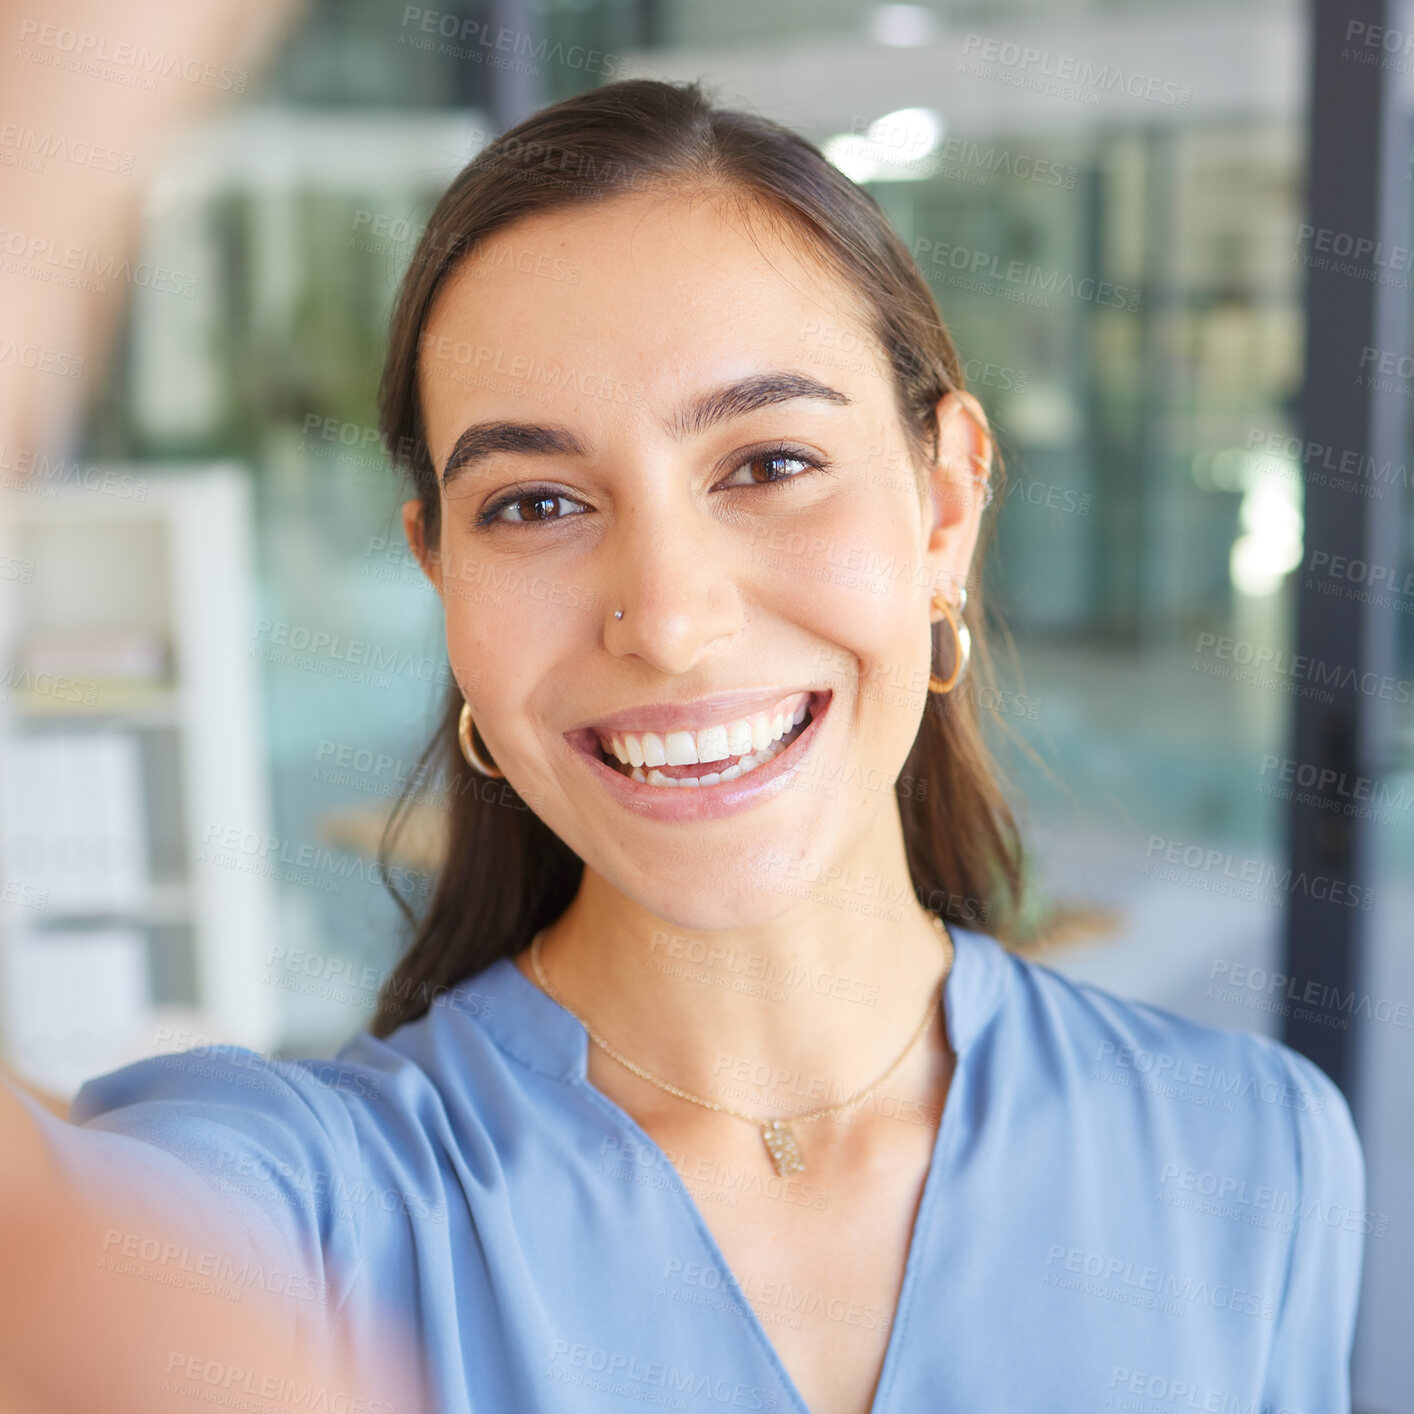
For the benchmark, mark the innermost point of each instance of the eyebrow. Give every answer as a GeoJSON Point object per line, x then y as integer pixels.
{"type": "Point", "coordinates": [746, 395]}
{"type": "Point", "coordinates": [485, 439]}
{"type": "Point", "coordinates": [736, 399]}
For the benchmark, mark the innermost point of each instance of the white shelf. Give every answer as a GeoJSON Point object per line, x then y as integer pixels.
{"type": "Point", "coordinates": [160, 906]}
{"type": "Point", "coordinates": [175, 563]}
{"type": "Point", "coordinates": [144, 708]}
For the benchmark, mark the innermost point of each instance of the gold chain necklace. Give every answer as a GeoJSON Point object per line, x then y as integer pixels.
{"type": "Point", "coordinates": [780, 1141]}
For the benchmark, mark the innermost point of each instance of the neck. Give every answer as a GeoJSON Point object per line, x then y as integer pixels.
{"type": "Point", "coordinates": [794, 1013]}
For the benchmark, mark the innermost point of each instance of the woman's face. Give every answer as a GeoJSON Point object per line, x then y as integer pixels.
{"type": "Point", "coordinates": [638, 406]}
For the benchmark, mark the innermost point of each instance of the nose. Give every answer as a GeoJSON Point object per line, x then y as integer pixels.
{"type": "Point", "coordinates": [675, 576]}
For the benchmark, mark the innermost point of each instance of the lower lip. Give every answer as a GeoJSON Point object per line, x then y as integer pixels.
{"type": "Point", "coordinates": [710, 802]}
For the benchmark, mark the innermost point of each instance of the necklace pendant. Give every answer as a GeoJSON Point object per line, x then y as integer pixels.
{"type": "Point", "coordinates": [780, 1144]}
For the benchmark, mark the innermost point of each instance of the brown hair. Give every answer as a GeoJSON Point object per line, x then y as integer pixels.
{"type": "Point", "coordinates": [505, 873]}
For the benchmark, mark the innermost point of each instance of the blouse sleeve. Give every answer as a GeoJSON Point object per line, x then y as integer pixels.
{"type": "Point", "coordinates": [223, 1164]}
{"type": "Point", "coordinates": [1315, 1327]}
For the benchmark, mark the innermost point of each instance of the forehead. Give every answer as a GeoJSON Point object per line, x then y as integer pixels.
{"type": "Point", "coordinates": [635, 301]}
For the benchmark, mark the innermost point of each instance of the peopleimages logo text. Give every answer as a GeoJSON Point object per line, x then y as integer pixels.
{"type": "Point", "coordinates": [1071, 69]}
{"type": "Point", "coordinates": [1301, 666]}
{"type": "Point", "coordinates": [1217, 863]}
{"type": "Point", "coordinates": [988, 265]}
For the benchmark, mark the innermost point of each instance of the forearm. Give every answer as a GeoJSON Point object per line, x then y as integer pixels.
{"type": "Point", "coordinates": [26, 1170]}
{"type": "Point", "coordinates": [55, 1104]}
{"type": "Point", "coordinates": [139, 1338]}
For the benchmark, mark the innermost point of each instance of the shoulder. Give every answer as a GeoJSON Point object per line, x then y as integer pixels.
{"type": "Point", "coordinates": [1224, 1156]}
{"type": "Point", "coordinates": [1235, 1094]}
{"type": "Point", "coordinates": [232, 1085]}
{"type": "Point", "coordinates": [312, 1156]}
{"type": "Point", "coordinates": [1156, 1047]}
{"type": "Point", "coordinates": [373, 1092]}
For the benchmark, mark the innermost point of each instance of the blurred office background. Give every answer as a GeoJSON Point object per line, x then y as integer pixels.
{"type": "Point", "coordinates": [219, 749]}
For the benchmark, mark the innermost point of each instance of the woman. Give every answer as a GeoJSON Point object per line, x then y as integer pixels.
{"type": "Point", "coordinates": [685, 1092]}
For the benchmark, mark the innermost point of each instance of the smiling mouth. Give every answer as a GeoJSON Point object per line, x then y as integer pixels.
{"type": "Point", "coordinates": [700, 774]}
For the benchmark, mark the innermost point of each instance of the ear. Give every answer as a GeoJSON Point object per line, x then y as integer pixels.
{"type": "Point", "coordinates": [960, 486]}
{"type": "Point", "coordinates": [413, 528]}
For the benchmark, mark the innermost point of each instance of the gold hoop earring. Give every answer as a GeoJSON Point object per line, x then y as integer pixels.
{"type": "Point", "coordinates": [962, 639]}
{"type": "Point", "coordinates": [473, 757]}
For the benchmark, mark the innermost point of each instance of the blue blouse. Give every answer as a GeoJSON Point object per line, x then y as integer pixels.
{"type": "Point", "coordinates": [1124, 1210]}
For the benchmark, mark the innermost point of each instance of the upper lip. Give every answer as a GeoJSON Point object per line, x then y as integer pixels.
{"type": "Point", "coordinates": [700, 712]}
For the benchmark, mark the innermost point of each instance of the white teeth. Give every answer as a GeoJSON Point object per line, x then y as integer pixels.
{"type": "Point", "coordinates": [761, 731]}
{"type": "Point", "coordinates": [744, 736]}
{"type": "Point", "coordinates": [753, 741]}
{"type": "Point", "coordinates": [712, 744]}
{"type": "Point", "coordinates": [748, 762]}
{"type": "Point", "coordinates": [682, 748]}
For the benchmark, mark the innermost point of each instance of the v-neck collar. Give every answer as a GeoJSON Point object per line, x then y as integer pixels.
{"type": "Point", "coordinates": [536, 1030]}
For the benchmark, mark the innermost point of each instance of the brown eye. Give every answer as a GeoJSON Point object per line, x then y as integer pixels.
{"type": "Point", "coordinates": [768, 468]}
{"type": "Point", "coordinates": [537, 505]}
{"type": "Point", "coordinates": [777, 467]}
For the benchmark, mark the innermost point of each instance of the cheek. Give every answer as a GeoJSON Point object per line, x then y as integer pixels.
{"type": "Point", "coordinates": [471, 652]}
{"type": "Point", "coordinates": [508, 624]}
{"type": "Point", "coordinates": [864, 586]}
{"type": "Point", "coordinates": [487, 625]}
